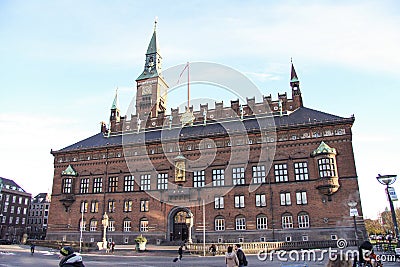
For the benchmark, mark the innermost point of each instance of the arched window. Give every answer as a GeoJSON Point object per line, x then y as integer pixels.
{"type": "Point", "coordinates": [240, 222]}
{"type": "Point", "coordinates": [93, 225]}
{"type": "Point", "coordinates": [82, 225]}
{"type": "Point", "coordinates": [127, 225]}
{"type": "Point", "coordinates": [262, 222]}
{"type": "Point", "coordinates": [144, 225]}
{"type": "Point", "coordinates": [111, 225]}
{"type": "Point", "coordinates": [219, 223]}
{"type": "Point", "coordinates": [287, 221]}
{"type": "Point", "coordinates": [303, 219]}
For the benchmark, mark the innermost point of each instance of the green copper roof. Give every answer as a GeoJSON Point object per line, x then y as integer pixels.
{"type": "Point", "coordinates": [179, 157]}
{"type": "Point", "coordinates": [323, 149]}
{"type": "Point", "coordinates": [115, 102]}
{"type": "Point", "coordinates": [148, 74]}
{"type": "Point", "coordinates": [69, 171]}
{"type": "Point", "coordinates": [153, 47]}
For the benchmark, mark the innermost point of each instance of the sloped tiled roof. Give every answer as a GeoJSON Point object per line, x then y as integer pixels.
{"type": "Point", "coordinates": [302, 116]}
{"type": "Point", "coordinates": [11, 185]}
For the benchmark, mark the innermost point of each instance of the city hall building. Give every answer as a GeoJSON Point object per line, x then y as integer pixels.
{"type": "Point", "coordinates": [273, 170]}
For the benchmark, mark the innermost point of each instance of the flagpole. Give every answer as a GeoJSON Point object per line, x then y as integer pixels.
{"type": "Point", "coordinates": [204, 229]}
{"type": "Point", "coordinates": [188, 87]}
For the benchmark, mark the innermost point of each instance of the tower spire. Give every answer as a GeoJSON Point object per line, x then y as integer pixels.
{"type": "Point", "coordinates": [295, 84]}
{"type": "Point", "coordinates": [294, 80]}
{"type": "Point", "coordinates": [152, 67]}
{"type": "Point", "coordinates": [115, 102]}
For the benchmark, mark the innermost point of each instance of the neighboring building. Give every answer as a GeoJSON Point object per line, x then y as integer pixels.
{"type": "Point", "coordinates": [14, 205]}
{"type": "Point", "coordinates": [38, 216]}
{"type": "Point", "coordinates": [294, 183]}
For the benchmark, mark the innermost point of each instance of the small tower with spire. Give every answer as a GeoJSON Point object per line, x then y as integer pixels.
{"type": "Point", "coordinates": [151, 96]}
{"type": "Point", "coordinates": [295, 84]}
{"type": "Point", "coordinates": [115, 115]}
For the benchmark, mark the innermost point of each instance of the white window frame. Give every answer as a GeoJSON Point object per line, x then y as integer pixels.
{"type": "Point", "coordinates": [285, 199]}
{"type": "Point", "coordinates": [240, 223]}
{"type": "Point", "coordinates": [238, 176]}
{"type": "Point", "coordinates": [301, 198]}
{"type": "Point", "coordinates": [258, 174]}
{"type": "Point", "coordinates": [261, 200]}
{"type": "Point", "coordinates": [162, 181]}
{"type": "Point", "coordinates": [239, 201]}
{"type": "Point", "coordinates": [287, 221]}
{"type": "Point", "coordinates": [262, 222]}
{"type": "Point", "coordinates": [301, 171]}
{"type": "Point", "coordinates": [144, 225]}
{"type": "Point", "coordinates": [218, 177]}
{"type": "Point", "coordinates": [281, 172]}
{"type": "Point", "coordinates": [219, 224]}
{"type": "Point", "coordinates": [304, 220]}
{"type": "Point", "coordinates": [145, 182]}
{"type": "Point", "coordinates": [127, 225]}
{"type": "Point", "coordinates": [199, 178]}
{"type": "Point", "coordinates": [219, 202]}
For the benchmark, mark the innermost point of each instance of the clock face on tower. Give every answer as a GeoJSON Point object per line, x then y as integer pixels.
{"type": "Point", "coordinates": [146, 90]}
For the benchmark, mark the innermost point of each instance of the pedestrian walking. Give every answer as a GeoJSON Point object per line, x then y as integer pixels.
{"type": "Point", "coordinates": [213, 249]}
{"type": "Point", "coordinates": [363, 258]}
{"type": "Point", "coordinates": [32, 248]}
{"type": "Point", "coordinates": [241, 256]}
{"type": "Point", "coordinates": [231, 260]}
{"type": "Point", "coordinates": [180, 252]}
{"type": "Point", "coordinates": [112, 247]}
{"type": "Point", "coordinates": [69, 258]}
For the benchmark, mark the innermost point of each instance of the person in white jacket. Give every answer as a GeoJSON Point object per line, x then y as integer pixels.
{"type": "Point", "coordinates": [231, 259]}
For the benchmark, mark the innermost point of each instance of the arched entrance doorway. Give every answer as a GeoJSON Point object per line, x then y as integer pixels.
{"type": "Point", "coordinates": [180, 224]}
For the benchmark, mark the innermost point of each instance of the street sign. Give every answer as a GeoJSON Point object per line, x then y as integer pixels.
{"type": "Point", "coordinates": [353, 212]}
{"type": "Point", "coordinates": [392, 194]}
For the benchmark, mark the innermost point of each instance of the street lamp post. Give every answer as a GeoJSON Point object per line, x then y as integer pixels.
{"type": "Point", "coordinates": [353, 212]}
{"type": "Point", "coordinates": [104, 222]}
{"type": "Point", "coordinates": [388, 180]}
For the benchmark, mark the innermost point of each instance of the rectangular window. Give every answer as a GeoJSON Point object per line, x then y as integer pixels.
{"type": "Point", "coordinates": [23, 221]}
{"type": "Point", "coordinates": [5, 207]}
{"type": "Point", "coordinates": [25, 209]}
{"type": "Point", "coordinates": [218, 177]}
{"type": "Point", "coordinates": [94, 207]}
{"type": "Point", "coordinates": [84, 186]}
{"type": "Point", "coordinates": [326, 167]}
{"type": "Point", "coordinates": [301, 171]}
{"type": "Point", "coordinates": [26, 201]}
{"type": "Point", "coordinates": [127, 226]}
{"type": "Point", "coordinates": [128, 205]}
{"type": "Point", "coordinates": [162, 181]}
{"type": "Point", "coordinates": [239, 201]}
{"type": "Point", "coordinates": [240, 223]}
{"type": "Point", "coordinates": [258, 174]}
{"type": "Point", "coordinates": [14, 198]}
{"type": "Point", "coordinates": [129, 182]}
{"type": "Point", "coordinates": [144, 226]}
{"type": "Point", "coordinates": [220, 224]}
{"type": "Point", "coordinates": [261, 200]}
{"type": "Point", "coordinates": [20, 200]}
{"type": "Point", "coordinates": [16, 220]}
{"type": "Point", "coordinates": [238, 176]}
{"type": "Point", "coordinates": [12, 209]}
{"type": "Point", "coordinates": [84, 206]}
{"type": "Point", "coordinates": [111, 206]}
{"type": "Point", "coordinates": [301, 198]}
{"type": "Point", "coordinates": [281, 172]}
{"type": "Point", "coordinates": [67, 186]}
{"type": "Point", "coordinates": [285, 199]}
{"type": "Point", "coordinates": [145, 182]}
{"type": "Point", "coordinates": [97, 185]}
{"type": "Point", "coordinates": [219, 202]}
{"type": "Point", "coordinates": [287, 221]}
{"type": "Point", "coordinates": [199, 178]}
{"type": "Point", "coordinates": [18, 210]}
{"type": "Point", "coordinates": [113, 184]}
{"type": "Point", "coordinates": [144, 205]}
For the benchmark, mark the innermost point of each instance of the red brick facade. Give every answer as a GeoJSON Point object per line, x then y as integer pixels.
{"type": "Point", "coordinates": [306, 154]}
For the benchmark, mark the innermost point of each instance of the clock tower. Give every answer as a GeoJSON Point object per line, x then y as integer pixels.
{"type": "Point", "coordinates": [151, 95]}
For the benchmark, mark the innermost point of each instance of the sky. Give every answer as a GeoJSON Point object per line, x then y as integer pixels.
{"type": "Point", "coordinates": [61, 62]}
